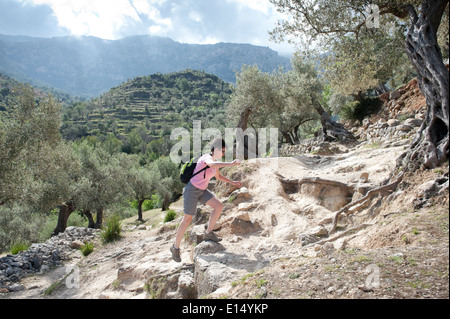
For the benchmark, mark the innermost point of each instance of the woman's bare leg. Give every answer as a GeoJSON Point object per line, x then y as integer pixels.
{"type": "Point", "coordinates": [218, 208]}
{"type": "Point", "coordinates": [182, 229]}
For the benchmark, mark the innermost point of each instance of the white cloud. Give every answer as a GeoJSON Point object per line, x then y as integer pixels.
{"type": "Point", "coordinates": [195, 16]}
{"type": "Point", "coordinates": [149, 9]}
{"type": "Point", "coordinates": [144, 7]}
{"type": "Point", "coordinates": [100, 18]}
{"type": "Point", "coordinates": [162, 28]}
{"type": "Point", "coordinates": [108, 19]}
{"type": "Point", "coordinates": [160, 25]}
{"type": "Point", "coordinates": [188, 21]}
{"type": "Point", "coordinates": [263, 6]}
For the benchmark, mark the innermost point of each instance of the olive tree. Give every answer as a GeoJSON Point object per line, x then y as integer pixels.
{"type": "Point", "coordinates": [285, 100]}
{"type": "Point", "coordinates": [324, 22]}
{"type": "Point", "coordinates": [38, 170]}
{"type": "Point", "coordinates": [143, 181]}
{"type": "Point", "coordinates": [103, 182]}
{"type": "Point", "coordinates": [29, 134]}
{"type": "Point", "coordinates": [294, 106]}
{"type": "Point", "coordinates": [251, 97]}
{"type": "Point", "coordinates": [169, 187]}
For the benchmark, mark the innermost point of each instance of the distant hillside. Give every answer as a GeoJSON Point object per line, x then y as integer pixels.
{"type": "Point", "coordinates": [88, 66]}
{"type": "Point", "coordinates": [9, 88]}
{"type": "Point", "coordinates": [155, 103]}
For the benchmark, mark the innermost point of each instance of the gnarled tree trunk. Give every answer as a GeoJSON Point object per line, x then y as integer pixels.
{"type": "Point", "coordinates": [243, 120]}
{"type": "Point", "coordinates": [90, 218]}
{"type": "Point", "coordinates": [430, 146]}
{"type": "Point", "coordinates": [140, 217]}
{"type": "Point", "coordinates": [99, 222]}
{"type": "Point", "coordinates": [243, 124]}
{"type": "Point", "coordinates": [64, 214]}
{"type": "Point", "coordinates": [331, 130]}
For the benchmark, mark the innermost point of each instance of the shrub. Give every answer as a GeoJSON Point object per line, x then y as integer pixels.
{"type": "Point", "coordinates": [77, 219]}
{"type": "Point", "coordinates": [170, 216]}
{"type": "Point", "coordinates": [358, 110]}
{"type": "Point", "coordinates": [111, 232]}
{"type": "Point", "coordinates": [348, 110]}
{"type": "Point", "coordinates": [18, 247]}
{"type": "Point", "coordinates": [87, 248]}
{"type": "Point", "coordinates": [18, 225]}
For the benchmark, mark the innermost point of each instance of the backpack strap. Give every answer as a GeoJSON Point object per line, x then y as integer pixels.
{"type": "Point", "coordinates": [203, 169]}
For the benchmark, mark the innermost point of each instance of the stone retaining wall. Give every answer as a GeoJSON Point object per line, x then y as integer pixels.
{"type": "Point", "coordinates": [40, 257]}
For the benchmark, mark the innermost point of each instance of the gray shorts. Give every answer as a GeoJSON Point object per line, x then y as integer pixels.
{"type": "Point", "coordinates": [192, 195]}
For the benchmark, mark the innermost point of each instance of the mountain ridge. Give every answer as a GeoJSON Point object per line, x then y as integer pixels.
{"type": "Point", "coordinates": [89, 66]}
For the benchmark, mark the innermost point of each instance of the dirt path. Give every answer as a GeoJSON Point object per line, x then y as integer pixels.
{"type": "Point", "coordinates": [404, 252]}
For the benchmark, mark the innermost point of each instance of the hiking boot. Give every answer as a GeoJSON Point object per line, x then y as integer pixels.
{"type": "Point", "coordinates": [175, 254]}
{"type": "Point", "coordinates": [212, 237]}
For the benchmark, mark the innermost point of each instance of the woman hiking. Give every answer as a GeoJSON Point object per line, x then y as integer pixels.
{"type": "Point", "coordinates": [196, 191]}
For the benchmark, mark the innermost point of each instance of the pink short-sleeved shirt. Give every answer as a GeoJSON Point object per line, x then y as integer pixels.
{"type": "Point", "coordinates": [201, 180]}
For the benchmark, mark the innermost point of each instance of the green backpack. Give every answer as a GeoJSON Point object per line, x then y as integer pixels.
{"type": "Point", "coordinates": [187, 170]}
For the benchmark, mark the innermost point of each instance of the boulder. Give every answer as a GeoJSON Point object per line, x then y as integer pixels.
{"type": "Point", "coordinates": [393, 122]}
{"type": "Point", "coordinates": [364, 177]}
{"type": "Point", "coordinates": [207, 247]}
{"type": "Point", "coordinates": [413, 122]}
{"type": "Point", "coordinates": [318, 231]}
{"type": "Point", "coordinates": [239, 196]}
{"type": "Point", "coordinates": [330, 194]}
{"type": "Point", "coordinates": [76, 244]}
{"type": "Point", "coordinates": [197, 234]}
{"type": "Point", "coordinates": [395, 95]}
{"type": "Point", "coordinates": [306, 239]}
{"type": "Point", "coordinates": [209, 275]}
{"type": "Point", "coordinates": [241, 227]}
{"type": "Point", "coordinates": [404, 128]}
{"type": "Point", "coordinates": [326, 249]}
{"type": "Point", "coordinates": [246, 206]}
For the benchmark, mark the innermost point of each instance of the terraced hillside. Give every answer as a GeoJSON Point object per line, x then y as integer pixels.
{"type": "Point", "coordinates": [157, 103]}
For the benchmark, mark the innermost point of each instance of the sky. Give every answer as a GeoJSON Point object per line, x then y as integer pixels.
{"type": "Point", "coordinates": [186, 21]}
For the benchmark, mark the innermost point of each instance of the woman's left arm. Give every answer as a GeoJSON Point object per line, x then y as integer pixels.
{"type": "Point", "coordinates": [222, 178]}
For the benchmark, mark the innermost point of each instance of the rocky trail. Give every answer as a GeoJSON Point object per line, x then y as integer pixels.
{"type": "Point", "coordinates": [280, 235]}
